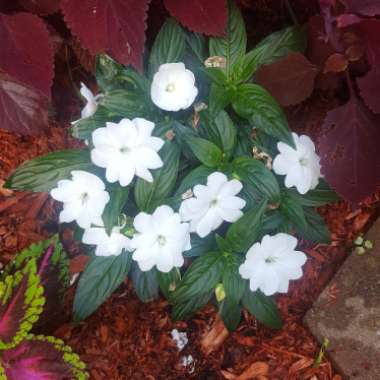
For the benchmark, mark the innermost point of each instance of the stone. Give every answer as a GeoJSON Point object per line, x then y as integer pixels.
{"type": "Point", "coordinates": [348, 314]}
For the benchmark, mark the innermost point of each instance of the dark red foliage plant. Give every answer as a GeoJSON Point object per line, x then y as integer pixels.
{"type": "Point", "coordinates": [116, 27]}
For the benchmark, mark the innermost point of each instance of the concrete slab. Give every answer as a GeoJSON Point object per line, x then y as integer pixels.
{"type": "Point", "coordinates": [348, 314]}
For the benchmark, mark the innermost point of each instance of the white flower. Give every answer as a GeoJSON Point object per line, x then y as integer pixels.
{"type": "Point", "coordinates": [84, 198]}
{"type": "Point", "coordinates": [214, 203]}
{"type": "Point", "coordinates": [160, 239]}
{"type": "Point", "coordinates": [173, 87]}
{"type": "Point", "coordinates": [127, 149]}
{"type": "Point", "coordinates": [92, 101]}
{"type": "Point", "coordinates": [106, 245]}
{"type": "Point", "coordinates": [270, 265]}
{"type": "Point", "coordinates": [301, 165]}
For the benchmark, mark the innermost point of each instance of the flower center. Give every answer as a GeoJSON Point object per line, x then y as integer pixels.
{"type": "Point", "coordinates": [125, 149]}
{"type": "Point", "coordinates": [270, 260]}
{"type": "Point", "coordinates": [161, 240]}
{"type": "Point", "coordinates": [170, 87]}
{"type": "Point", "coordinates": [303, 161]}
{"type": "Point", "coordinates": [213, 203]}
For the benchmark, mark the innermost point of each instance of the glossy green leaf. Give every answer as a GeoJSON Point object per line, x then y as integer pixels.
{"type": "Point", "coordinates": [243, 233]}
{"type": "Point", "coordinates": [230, 312]}
{"type": "Point", "coordinates": [112, 211]}
{"type": "Point", "coordinates": [145, 283]}
{"type": "Point", "coordinates": [169, 45]}
{"type": "Point", "coordinates": [196, 43]}
{"type": "Point", "coordinates": [293, 211]}
{"type": "Point", "coordinates": [148, 193]}
{"type": "Point", "coordinates": [200, 246]}
{"type": "Point", "coordinates": [254, 173]}
{"type": "Point", "coordinates": [184, 309]}
{"type": "Point", "coordinates": [107, 69]}
{"type": "Point", "coordinates": [168, 282]}
{"type": "Point", "coordinates": [264, 308]}
{"type": "Point", "coordinates": [233, 283]}
{"type": "Point", "coordinates": [206, 152]}
{"type": "Point", "coordinates": [197, 176]}
{"type": "Point", "coordinates": [219, 98]}
{"type": "Point", "coordinates": [255, 104]}
{"type": "Point", "coordinates": [316, 230]}
{"type": "Point", "coordinates": [202, 276]}
{"type": "Point", "coordinates": [101, 277]}
{"type": "Point", "coordinates": [43, 173]}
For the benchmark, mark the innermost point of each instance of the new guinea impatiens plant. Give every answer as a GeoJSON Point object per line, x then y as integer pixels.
{"type": "Point", "coordinates": [191, 182]}
{"type": "Point", "coordinates": [29, 286]}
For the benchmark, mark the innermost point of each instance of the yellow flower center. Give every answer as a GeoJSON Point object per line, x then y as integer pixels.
{"type": "Point", "coordinates": [170, 87]}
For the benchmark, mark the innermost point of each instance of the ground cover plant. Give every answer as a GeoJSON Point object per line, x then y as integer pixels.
{"type": "Point", "coordinates": [188, 160]}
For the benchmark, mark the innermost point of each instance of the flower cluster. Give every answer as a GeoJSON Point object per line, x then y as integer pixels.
{"type": "Point", "coordinates": [129, 149]}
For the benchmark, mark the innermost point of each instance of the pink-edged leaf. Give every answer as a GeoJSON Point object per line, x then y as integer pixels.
{"type": "Point", "coordinates": [22, 109]}
{"type": "Point", "coordinates": [41, 7]}
{"type": "Point", "coordinates": [52, 268]}
{"type": "Point", "coordinates": [113, 26]}
{"type": "Point", "coordinates": [21, 303]}
{"type": "Point", "coordinates": [364, 7]}
{"type": "Point", "coordinates": [42, 358]}
{"type": "Point", "coordinates": [369, 85]}
{"type": "Point", "coordinates": [290, 80]}
{"type": "Point", "coordinates": [349, 150]}
{"type": "Point", "coordinates": [26, 54]}
{"type": "Point", "coordinates": [202, 16]}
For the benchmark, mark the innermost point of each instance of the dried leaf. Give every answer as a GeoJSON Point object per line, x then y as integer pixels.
{"type": "Point", "coordinates": [349, 150]}
{"type": "Point", "coordinates": [335, 63]}
{"type": "Point", "coordinates": [113, 26]}
{"type": "Point", "coordinates": [203, 16]}
{"type": "Point", "coordinates": [290, 80]}
{"type": "Point", "coordinates": [254, 370]}
{"type": "Point", "coordinates": [214, 338]}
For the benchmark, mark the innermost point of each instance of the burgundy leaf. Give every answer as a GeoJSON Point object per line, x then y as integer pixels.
{"type": "Point", "coordinates": [40, 359]}
{"type": "Point", "coordinates": [290, 80]}
{"type": "Point", "coordinates": [26, 54]}
{"type": "Point", "coordinates": [202, 16]}
{"type": "Point", "coordinates": [349, 150]}
{"type": "Point", "coordinates": [369, 85]}
{"type": "Point", "coordinates": [364, 7]}
{"type": "Point", "coordinates": [347, 19]}
{"type": "Point", "coordinates": [22, 109]}
{"type": "Point", "coordinates": [41, 7]}
{"type": "Point", "coordinates": [113, 26]}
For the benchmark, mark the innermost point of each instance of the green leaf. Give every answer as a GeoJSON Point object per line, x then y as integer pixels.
{"type": "Point", "coordinates": [200, 246]}
{"type": "Point", "coordinates": [320, 196]}
{"type": "Point", "coordinates": [293, 211]}
{"type": "Point", "coordinates": [219, 98]}
{"type": "Point", "coordinates": [272, 48]}
{"type": "Point", "coordinates": [221, 130]}
{"type": "Point", "coordinates": [101, 277]}
{"type": "Point", "coordinates": [244, 232]}
{"type": "Point", "coordinates": [316, 230]}
{"type": "Point", "coordinates": [255, 104]}
{"type": "Point", "coordinates": [145, 283]}
{"type": "Point", "coordinates": [43, 173]}
{"type": "Point", "coordinates": [83, 128]}
{"type": "Point", "coordinates": [196, 42]}
{"type": "Point", "coordinates": [217, 75]}
{"type": "Point", "coordinates": [185, 309]}
{"type": "Point", "coordinates": [234, 45]}
{"type": "Point", "coordinates": [254, 173]}
{"type": "Point", "coordinates": [264, 308]}
{"type": "Point", "coordinates": [106, 71]}
{"type": "Point", "coordinates": [202, 276]}
{"type": "Point", "coordinates": [206, 152]}
{"type": "Point", "coordinates": [230, 312]}
{"type": "Point", "coordinates": [233, 283]}
{"type": "Point", "coordinates": [197, 176]}
{"type": "Point", "coordinates": [112, 211]}
{"type": "Point", "coordinates": [147, 193]}
{"type": "Point", "coordinates": [168, 281]}
{"type": "Point", "coordinates": [169, 45]}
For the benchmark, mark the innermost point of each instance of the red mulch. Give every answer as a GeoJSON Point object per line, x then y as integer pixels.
{"type": "Point", "coordinates": [126, 339]}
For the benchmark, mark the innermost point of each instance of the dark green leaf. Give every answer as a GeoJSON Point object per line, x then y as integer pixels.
{"type": "Point", "coordinates": [233, 283]}
{"type": "Point", "coordinates": [219, 98]}
{"type": "Point", "coordinates": [197, 176]}
{"type": "Point", "coordinates": [169, 45]}
{"type": "Point", "coordinates": [106, 71]}
{"type": "Point", "coordinates": [145, 283]}
{"type": "Point", "coordinates": [264, 308]}
{"type": "Point", "coordinates": [118, 198]}
{"type": "Point", "coordinates": [147, 193]}
{"type": "Point", "coordinates": [197, 44]}
{"type": "Point", "coordinates": [200, 246]}
{"type": "Point", "coordinates": [43, 173]}
{"type": "Point", "coordinates": [230, 312]}
{"type": "Point", "coordinates": [293, 211]}
{"type": "Point", "coordinates": [185, 309]}
{"type": "Point", "coordinates": [316, 230]}
{"type": "Point", "coordinates": [243, 233]}
{"type": "Point", "coordinates": [206, 152]}
{"type": "Point", "coordinates": [277, 45]}
{"type": "Point", "coordinates": [216, 74]}
{"type": "Point", "coordinates": [254, 173]}
{"type": "Point", "coordinates": [255, 104]}
{"type": "Point", "coordinates": [234, 45]}
{"type": "Point", "coordinates": [202, 276]}
{"type": "Point", "coordinates": [101, 277]}
{"type": "Point", "coordinates": [168, 281]}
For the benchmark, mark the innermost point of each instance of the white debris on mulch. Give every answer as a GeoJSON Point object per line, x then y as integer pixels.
{"type": "Point", "coordinates": [180, 339]}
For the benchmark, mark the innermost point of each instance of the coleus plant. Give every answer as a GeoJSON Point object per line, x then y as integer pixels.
{"type": "Point", "coordinates": [37, 277]}
{"type": "Point", "coordinates": [221, 186]}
